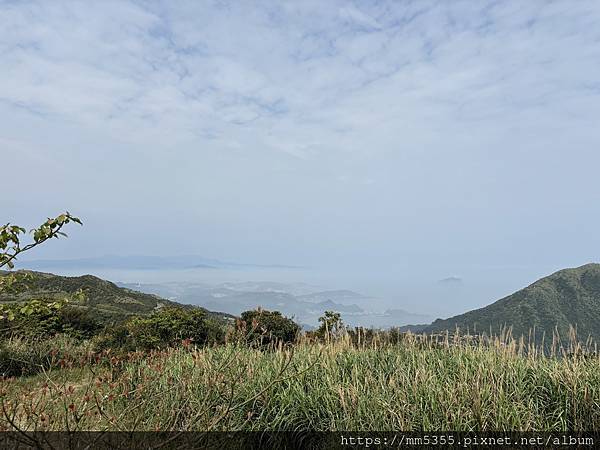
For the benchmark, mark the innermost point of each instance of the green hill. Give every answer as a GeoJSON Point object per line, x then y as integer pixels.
{"type": "Point", "coordinates": [567, 297]}
{"type": "Point", "coordinates": [106, 300]}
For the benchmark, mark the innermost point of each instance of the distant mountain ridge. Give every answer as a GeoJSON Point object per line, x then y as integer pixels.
{"type": "Point", "coordinates": [340, 295]}
{"type": "Point", "coordinates": [567, 297]}
{"type": "Point", "coordinates": [230, 297]}
{"type": "Point", "coordinates": [303, 302]}
{"type": "Point", "coordinates": [142, 262]}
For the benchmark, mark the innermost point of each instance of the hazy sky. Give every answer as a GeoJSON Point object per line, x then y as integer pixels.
{"type": "Point", "coordinates": [406, 134]}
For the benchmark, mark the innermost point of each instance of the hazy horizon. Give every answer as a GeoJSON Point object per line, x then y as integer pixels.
{"type": "Point", "coordinates": [387, 289]}
{"type": "Point", "coordinates": [383, 146]}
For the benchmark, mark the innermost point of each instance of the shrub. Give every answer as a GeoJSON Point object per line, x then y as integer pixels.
{"type": "Point", "coordinates": [164, 328]}
{"type": "Point", "coordinates": [115, 336]}
{"type": "Point", "coordinates": [78, 322]}
{"type": "Point", "coordinates": [39, 319]}
{"type": "Point", "coordinates": [261, 327]}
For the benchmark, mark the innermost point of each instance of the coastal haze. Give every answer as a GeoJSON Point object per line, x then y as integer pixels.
{"type": "Point", "coordinates": [385, 299]}
{"type": "Point", "coordinates": [429, 159]}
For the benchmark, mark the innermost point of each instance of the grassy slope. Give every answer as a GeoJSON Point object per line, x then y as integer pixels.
{"type": "Point", "coordinates": [570, 296]}
{"type": "Point", "coordinates": [332, 387]}
{"type": "Point", "coordinates": [106, 299]}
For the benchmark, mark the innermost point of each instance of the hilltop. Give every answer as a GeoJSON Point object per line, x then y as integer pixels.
{"type": "Point", "coordinates": [567, 297]}
{"type": "Point", "coordinates": [106, 299]}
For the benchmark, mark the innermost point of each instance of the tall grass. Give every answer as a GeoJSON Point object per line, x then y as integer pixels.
{"type": "Point", "coordinates": [417, 383]}
{"type": "Point", "coordinates": [20, 356]}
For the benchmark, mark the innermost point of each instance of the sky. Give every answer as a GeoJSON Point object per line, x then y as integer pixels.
{"type": "Point", "coordinates": [414, 139]}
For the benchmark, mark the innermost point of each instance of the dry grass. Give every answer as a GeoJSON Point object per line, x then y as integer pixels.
{"type": "Point", "coordinates": [416, 384]}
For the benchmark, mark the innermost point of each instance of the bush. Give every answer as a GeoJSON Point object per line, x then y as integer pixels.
{"type": "Point", "coordinates": [114, 337]}
{"type": "Point", "coordinates": [78, 322]}
{"type": "Point", "coordinates": [27, 356]}
{"type": "Point", "coordinates": [261, 327]}
{"type": "Point", "coordinates": [43, 321]}
{"type": "Point", "coordinates": [164, 328]}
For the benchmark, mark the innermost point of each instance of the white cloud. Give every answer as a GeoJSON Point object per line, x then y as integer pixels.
{"type": "Point", "coordinates": [359, 18]}
{"type": "Point", "coordinates": [414, 103]}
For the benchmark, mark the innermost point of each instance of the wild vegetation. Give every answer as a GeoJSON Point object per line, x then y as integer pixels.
{"type": "Point", "coordinates": [175, 368]}
{"type": "Point", "coordinates": [415, 384]}
{"type": "Point", "coordinates": [104, 300]}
